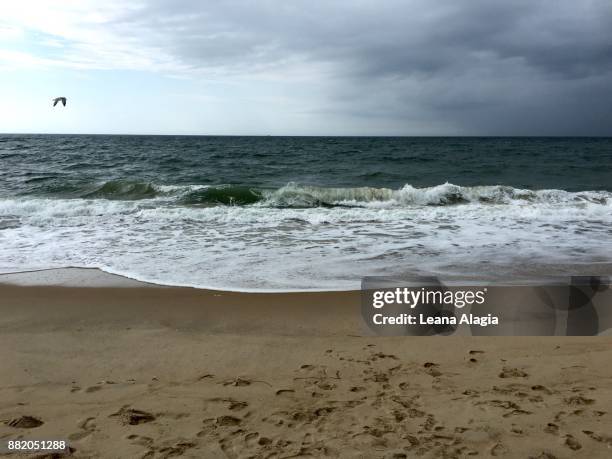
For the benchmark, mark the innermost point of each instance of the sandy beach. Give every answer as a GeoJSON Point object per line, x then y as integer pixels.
{"type": "Point", "coordinates": [125, 369]}
{"type": "Point", "coordinates": [273, 230]}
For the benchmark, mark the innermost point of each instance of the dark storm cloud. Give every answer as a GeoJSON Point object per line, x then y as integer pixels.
{"type": "Point", "coordinates": [481, 67]}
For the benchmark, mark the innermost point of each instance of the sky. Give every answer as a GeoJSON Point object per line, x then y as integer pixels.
{"type": "Point", "coordinates": [307, 67]}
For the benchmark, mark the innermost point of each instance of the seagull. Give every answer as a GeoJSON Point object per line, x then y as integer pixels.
{"type": "Point", "coordinates": [59, 99]}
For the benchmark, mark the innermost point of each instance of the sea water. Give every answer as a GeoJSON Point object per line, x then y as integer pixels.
{"type": "Point", "coordinates": [305, 213]}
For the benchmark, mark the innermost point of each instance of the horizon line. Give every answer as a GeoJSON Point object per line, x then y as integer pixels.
{"type": "Point", "coordinates": [313, 135]}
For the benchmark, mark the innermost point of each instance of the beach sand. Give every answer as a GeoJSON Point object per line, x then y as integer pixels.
{"type": "Point", "coordinates": [125, 369]}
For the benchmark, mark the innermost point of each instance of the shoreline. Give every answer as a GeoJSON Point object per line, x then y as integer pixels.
{"type": "Point", "coordinates": [90, 297]}
{"type": "Point", "coordinates": [74, 276]}
{"type": "Point", "coordinates": [83, 277]}
{"type": "Point", "coordinates": [98, 299]}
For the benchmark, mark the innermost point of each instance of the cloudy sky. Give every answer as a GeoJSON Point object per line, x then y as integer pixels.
{"type": "Point", "coordinates": [308, 67]}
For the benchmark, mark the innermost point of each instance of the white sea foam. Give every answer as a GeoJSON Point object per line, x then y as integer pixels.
{"type": "Point", "coordinates": [289, 241]}
{"type": "Point", "coordinates": [294, 195]}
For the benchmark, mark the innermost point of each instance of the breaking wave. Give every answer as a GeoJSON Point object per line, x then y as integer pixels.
{"type": "Point", "coordinates": [294, 195]}
{"type": "Point", "coordinates": [440, 195]}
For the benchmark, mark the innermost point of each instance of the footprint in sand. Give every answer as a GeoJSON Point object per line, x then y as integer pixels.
{"type": "Point", "coordinates": [242, 382]}
{"type": "Point", "coordinates": [377, 377]}
{"type": "Point", "coordinates": [512, 373]}
{"type": "Point", "coordinates": [209, 427]}
{"type": "Point", "coordinates": [25, 422]}
{"type": "Point", "coordinates": [235, 405]}
{"type": "Point", "coordinates": [544, 455]}
{"type": "Point", "coordinates": [319, 371]}
{"type": "Point", "coordinates": [499, 450]}
{"type": "Point", "coordinates": [509, 389]}
{"type": "Point", "coordinates": [551, 428]}
{"type": "Point", "coordinates": [177, 450]}
{"type": "Point", "coordinates": [513, 408]}
{"type": "Point", "coordinates": [232, 405]}
{"type": "Point", "coordinates": [572, 443]}
{"type": "Point", "coordinates": [67, 453]}
{"type": "Point", "coordinates": [87, 427]}
{"type": "Point", "coordinates": [140, 440]}
{"type": "Point", "coordinates": [540, 388]}
{"type": "Point", "coordinates": [308, 416]}
{"type": "Point", "coordinates": [430, 423]}
{"type": "Point", "coordinates": [130, 416]}
{"type": "Point", "coordinates": [432, 369]}
{"type": "Point", "coordinates": [382, 355]}
{"type": "Point", "coordinates": [227, 421]}
{"type": "Point", "coordinates": [579, 400]}
{"type": "Point", "coordinates": [599, 438]}
{"type": "Point", "coordinates": [264, 441]}
{"type": "Point", "coordinates": [404, 385]}
{"type": "Point", "coordinates": [250, 439]}
{"type": "Point", "coordinates": [323, 385]}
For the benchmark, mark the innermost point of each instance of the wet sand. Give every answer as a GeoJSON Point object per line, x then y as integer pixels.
{"type": "Point", "coordinates": [124, 369]}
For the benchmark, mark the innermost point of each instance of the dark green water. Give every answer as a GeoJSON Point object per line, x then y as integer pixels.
{"type": "Point", "coordinates": [78, 166]}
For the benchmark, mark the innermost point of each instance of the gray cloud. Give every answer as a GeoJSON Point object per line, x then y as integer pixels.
{"type": "Point", "coordinates": [468, 67]}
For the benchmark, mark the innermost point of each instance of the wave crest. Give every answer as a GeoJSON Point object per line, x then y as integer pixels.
{"type": "Point", "coordinates": [440, 195]}
{"type": "Point", "coordinates": [298, 196]}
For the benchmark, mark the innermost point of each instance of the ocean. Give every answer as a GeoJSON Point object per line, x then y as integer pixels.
{"type": "Point", "coordinates": [305, 213]}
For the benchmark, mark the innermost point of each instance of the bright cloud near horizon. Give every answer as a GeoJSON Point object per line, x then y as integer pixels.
{"type": "Point", "coordinates": [315, 67]}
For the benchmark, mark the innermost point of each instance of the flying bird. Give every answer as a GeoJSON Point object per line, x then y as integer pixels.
{"type": "Point", "coordinates": [58, 99]}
